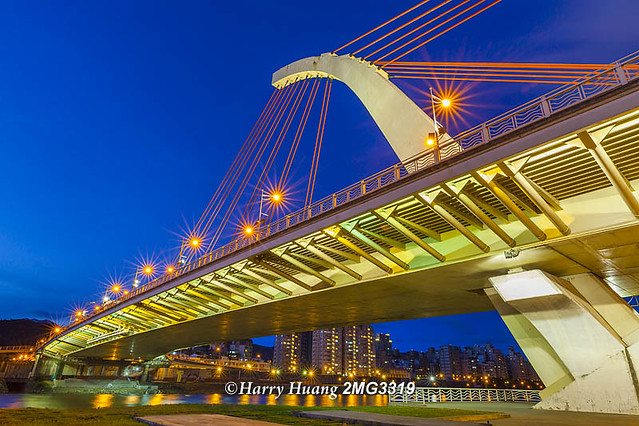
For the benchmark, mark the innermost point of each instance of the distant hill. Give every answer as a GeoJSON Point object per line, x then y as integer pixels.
{"type": "Point", "coordinates": [266, 352]}
{"type": "Point", "coordinates": [23, 331]}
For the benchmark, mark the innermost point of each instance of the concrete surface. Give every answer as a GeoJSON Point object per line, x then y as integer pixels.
{"type": "Point", "coordinates": [200, 419]}
{"type": "Point", "coordinates": [522, 414]}
{"type": "Point", "coordinates": [362, 418]}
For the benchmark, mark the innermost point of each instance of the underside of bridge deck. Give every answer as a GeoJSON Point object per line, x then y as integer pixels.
{"type": "Point", "coordinates": [449, 289]}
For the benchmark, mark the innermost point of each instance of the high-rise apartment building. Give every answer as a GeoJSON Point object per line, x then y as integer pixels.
{"type": "Point", "coordinates": [287, 352]}
{"type": "Point", "coordinates": [327, 351]}
{"type": "Point", "coordinates": [359, 350]}
{"type": "Point", "coordinates": [383, 350]}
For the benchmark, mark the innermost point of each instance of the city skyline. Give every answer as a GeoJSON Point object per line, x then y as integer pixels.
{"type": "Point", "coordinates": [455, 329]}
{"type": "Point", "coordinates": [360, 351]}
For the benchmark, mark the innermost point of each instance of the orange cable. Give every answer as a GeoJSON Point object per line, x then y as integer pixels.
{"type": "Point", "coordinates": [497, 64]}
{"type": "Point", "coordinates": [237, 157]}
{"type": "Point", "coordinates": [414, 30]}
{"type": "Point", "coordinates": [238, 171]}
{"type": "Point", "coordinates": [219, 190]}
{"type": "Point", "coordinates": [380, 26]}
{"type": "Point", "coordinates": [430, 30]}
{"type": "Point", "coordinates": [402, 27]}
{"type": "Point", "coordinates": [299, 133]}
{"type": "Point", "coordinates": [456, 74]}
{"type": "Point", "coordinates": [276, 147]}
{"type": "Point", "coordinates": [448, 29]}
{"type": "Point", "coordinates": [318, 143]}
{"type": "Point", "coordinates": [480, 70]}
{"type": "Point", "coordinates": [256, 159]}
{"type": "Point", "coordinates": [502, 80]}
{"type": "Point", "coordinates": [274, 106]}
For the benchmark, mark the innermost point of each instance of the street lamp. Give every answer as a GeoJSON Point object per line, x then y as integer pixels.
{"type": "Point", "coordinates": [275, 197]}
{"type": "Point", "coordinates": [433, 138]}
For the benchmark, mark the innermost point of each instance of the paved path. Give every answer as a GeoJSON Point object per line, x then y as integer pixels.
{"type": "Point", "coordinates": [363, 418]}
{"type": "Point", "coordinates": [522, 414]}
{"type": "Point", "coordinates": [200, 419]}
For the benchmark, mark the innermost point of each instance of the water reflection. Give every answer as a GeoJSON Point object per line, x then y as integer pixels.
{"type": "Point", "coordinates": [214, 398]}
{"type": "Point", "coordinates": [132, 400]}
{"type": "Point", "coordinates": [270, 400]}
{"type": "Point", "coordinates": [103, 400]}
{"type": "Point", "coordinates": [65, 401]}
{"type": "Point", "coordinates": [156, 400]}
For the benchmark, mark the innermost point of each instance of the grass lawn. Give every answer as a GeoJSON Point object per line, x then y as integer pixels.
{"type": "Point", "coordinates": [271, 413]}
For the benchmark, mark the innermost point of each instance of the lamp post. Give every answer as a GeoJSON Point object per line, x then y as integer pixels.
{"type": "Point", "coordinates": [274, 198]}
{"type": "Point", "coordinates": [433, 140]}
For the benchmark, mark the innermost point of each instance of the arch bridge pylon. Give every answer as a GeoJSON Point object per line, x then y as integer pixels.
{"type": "Point", "coordinates": [404, 124]}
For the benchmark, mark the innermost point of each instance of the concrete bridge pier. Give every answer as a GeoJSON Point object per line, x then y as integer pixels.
{"type": "Point", "coordinates": [579, 335]}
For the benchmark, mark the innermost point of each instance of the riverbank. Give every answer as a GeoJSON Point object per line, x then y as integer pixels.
{"type": "Point", "coordinates": [276, 414]}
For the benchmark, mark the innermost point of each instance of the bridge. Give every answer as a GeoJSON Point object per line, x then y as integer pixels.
{"type": "Point", "coordinates": [532, 214]}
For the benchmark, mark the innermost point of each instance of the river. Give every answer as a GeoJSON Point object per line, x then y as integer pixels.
{"type": "Point", "coordinates": [78, 401]}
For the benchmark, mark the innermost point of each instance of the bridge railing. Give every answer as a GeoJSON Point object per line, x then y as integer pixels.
{"type": "Point", "coordinates": [425, 395]}
{"type": "Point", "coordinates": [17, 349]}
{"type": "Point", "coordinates": [608, 78]}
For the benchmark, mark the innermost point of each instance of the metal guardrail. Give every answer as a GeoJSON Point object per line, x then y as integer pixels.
{"type": "Point", "coordinates": [608, 78]}
{"type": "Point", "coordinates": [21, 349]}
{"type": "Point", "coordinates": [433, 395]}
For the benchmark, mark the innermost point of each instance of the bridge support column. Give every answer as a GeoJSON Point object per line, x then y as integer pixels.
{"type": "Point", "coordinates": [579, 335]}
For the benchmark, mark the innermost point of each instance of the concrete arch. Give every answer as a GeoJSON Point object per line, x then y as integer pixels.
{"type": "Point", "coordinates": [402, 122]}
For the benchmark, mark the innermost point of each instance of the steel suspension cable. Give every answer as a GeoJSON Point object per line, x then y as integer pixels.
{"type": "Point", "coordinates": [298, 135]}
{"type": "Point", "coordinates": [235, 161]}
{"type": "Point", "coordinates": [401, 27]}
{"type": "Point", "coordinates": [249, 173]}
{"type": "Point", "coordinates": [485, 74]}
{"type": "Point", "coordinates": [541, 65]}
{"type": "Point", "coordinates": [196, 229]}
{"type": "Point", "coordinates": [407, 69]}
{"type": "Point", "coordinates": [414, 30]}
{"type": "Point", "coordinates": [382, 25]}
{"type": "Point", "coordinates": [504, 80]}
{"type": "Point", "coordinates": [237, 172]}
{"type": "Point", "coordinates": [449, 28]}
{"type": "Point", "coordinates": [432, 29]}
{"type": "Point", "coordinates": [276, 147]}
{"type": "Point", "coordinates": [318, 144]}
{"type": "Point", "coordinates": [265, 141]}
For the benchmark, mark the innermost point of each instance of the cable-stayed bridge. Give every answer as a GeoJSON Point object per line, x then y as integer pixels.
{"type": "Point", "coordinates": [488, 219]}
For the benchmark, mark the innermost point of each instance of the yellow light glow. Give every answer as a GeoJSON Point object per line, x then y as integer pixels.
{"type": "Point", "coordinates": [148, 270]}
{"type": "Point", "coordinates": [194, 242]}
{"type": "Point", "coordinates": [430, 141]}
{"type": "Point", "coordinates": [78, 314]}
{"type": "Point", "coordinates": [446, 103]}
{"type": "Point", "coordinates": [97, 307]}
{"type": "Point", "coordinates": [57, 329]}
{"type": "Point", "coordinates": [276, 197]}
{"type": "Point", "coordinates": [248, 230]}
{"type": "Point", "coordinates": [170, 269]}
{"type": "Point", "coordinates": [333, 231]}
{"type": "Point", "coordinates": [116, 288]}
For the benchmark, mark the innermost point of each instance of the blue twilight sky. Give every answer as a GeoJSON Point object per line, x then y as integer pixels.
{"type": "Point", "coordinates": [118, 119]}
